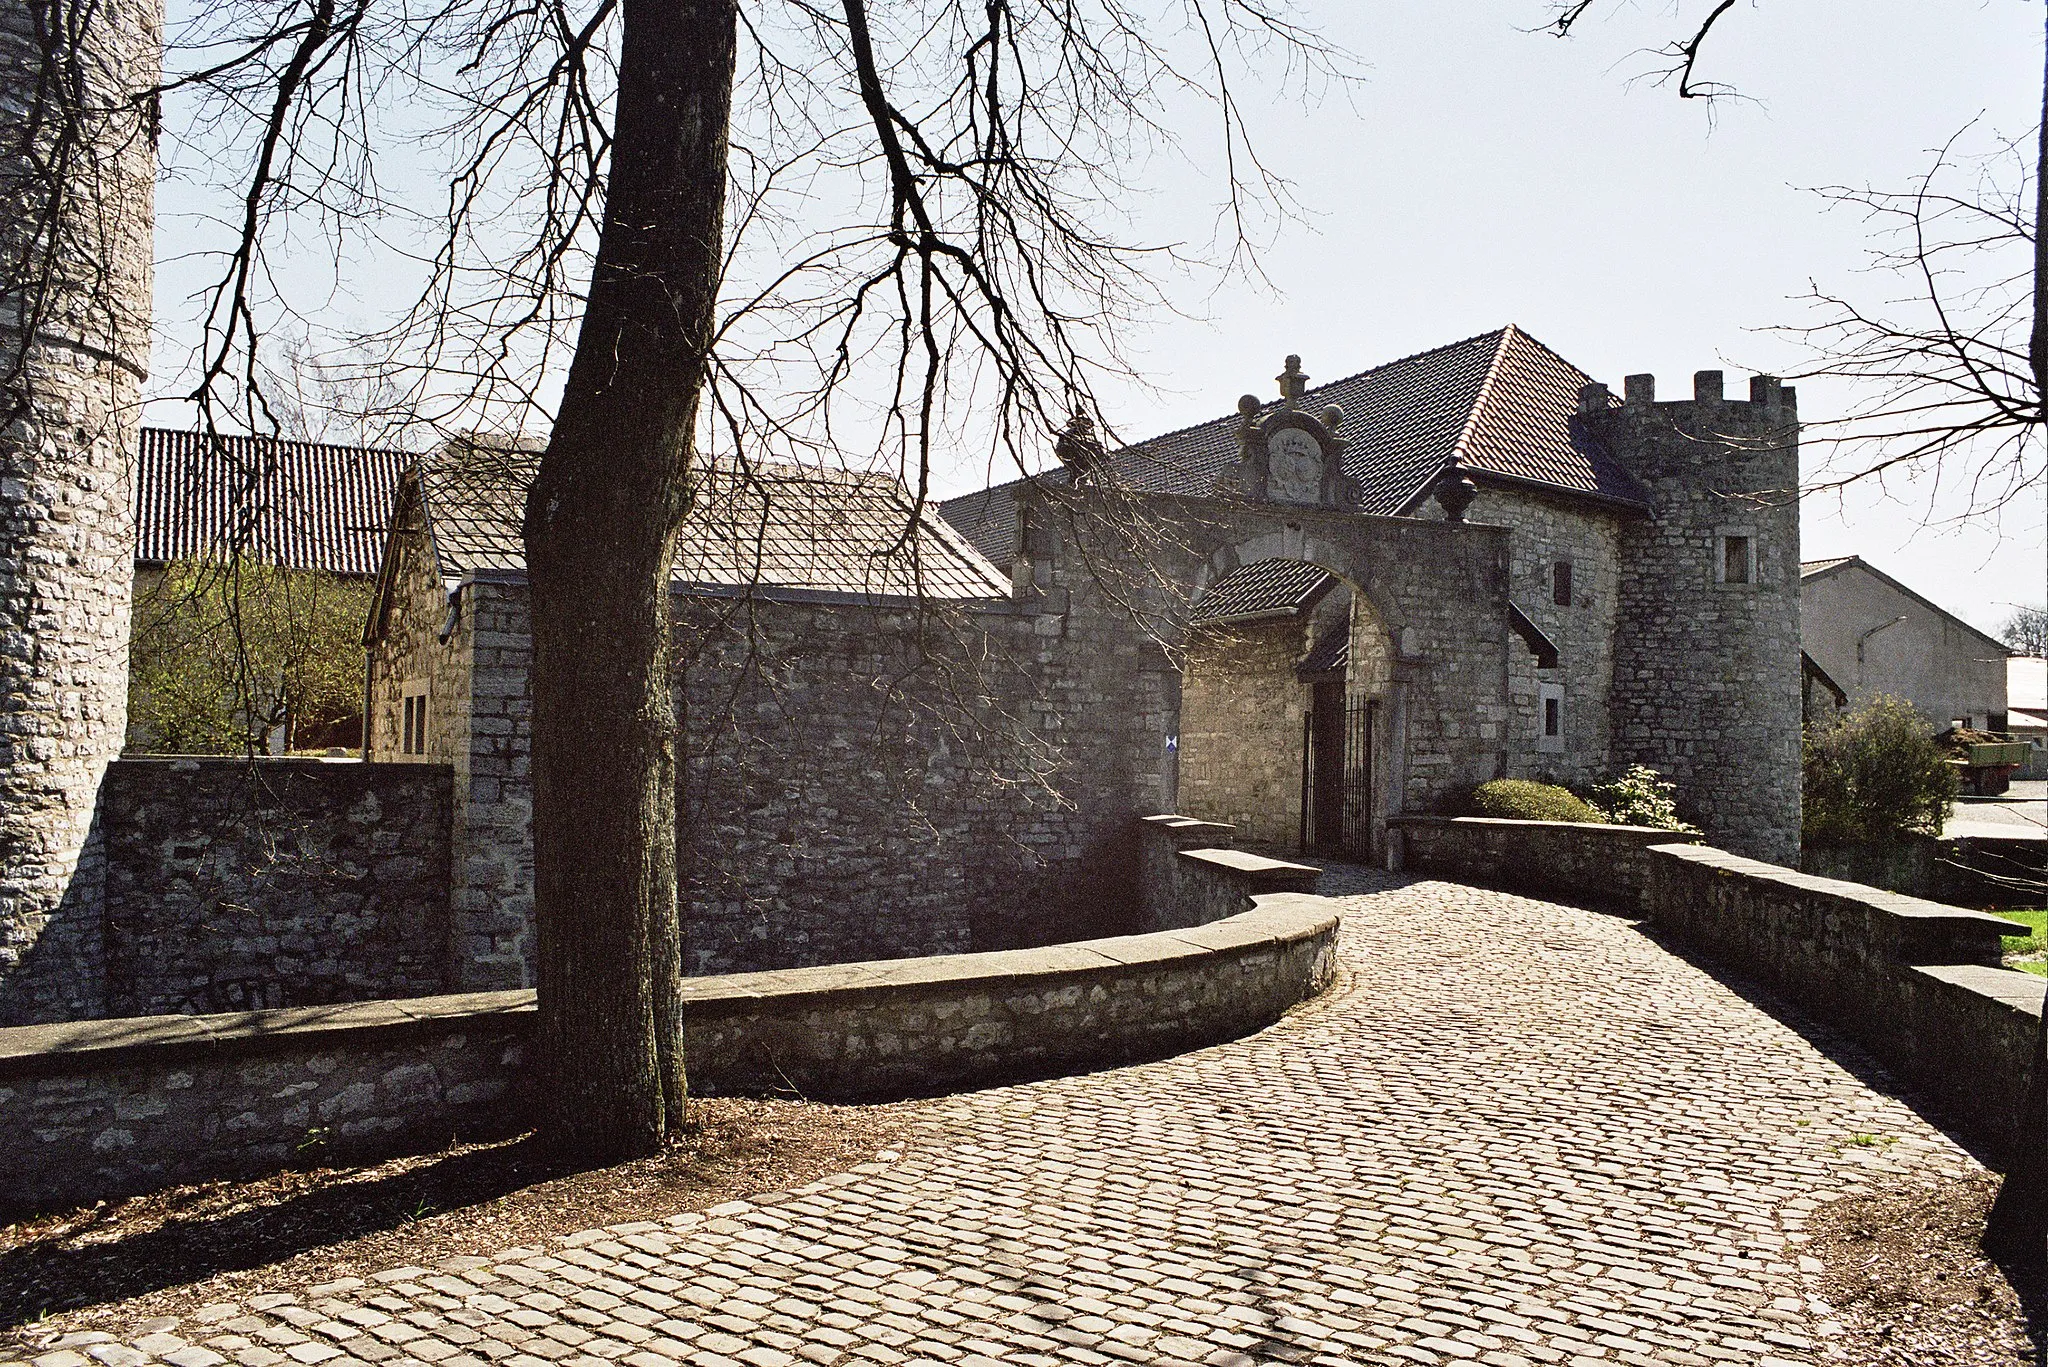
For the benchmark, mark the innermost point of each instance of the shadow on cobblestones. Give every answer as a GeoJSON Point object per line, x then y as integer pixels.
{"type": "Point", "coordinates": [1838, 1046]}
{"type": "Point", "coordinates": [306, 1226]}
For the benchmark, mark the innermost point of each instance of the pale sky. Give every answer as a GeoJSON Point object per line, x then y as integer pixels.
{"type": "Point", "coordinates": [1485, 175]}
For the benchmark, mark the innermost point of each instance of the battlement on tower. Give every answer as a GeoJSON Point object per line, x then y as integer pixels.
{"type": "Point", "coordinates": [1769, 398]}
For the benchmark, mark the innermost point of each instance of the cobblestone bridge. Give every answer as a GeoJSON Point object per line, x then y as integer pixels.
{"type": "Point", "coordinates": [1514, 1132]}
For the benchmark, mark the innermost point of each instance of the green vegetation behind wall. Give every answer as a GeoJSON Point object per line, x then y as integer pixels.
{"type": "Point", "coordinates": [234, 655]}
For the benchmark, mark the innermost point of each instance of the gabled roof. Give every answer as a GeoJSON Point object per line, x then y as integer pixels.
{"type": "Point", "coordinates": [299, 504]}
{"type": "Point", "coordinates": [771, 526]}
{"type": "Point", "coordinates": [1502, 404]}
{"type": "Point", "coordinates": [1811, 571]}
{"type": "Point", "coordinates": [1263, 587]}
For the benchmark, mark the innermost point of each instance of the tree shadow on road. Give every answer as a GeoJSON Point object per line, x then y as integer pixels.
{"type": "Point", "coordinates": [293, 1229]}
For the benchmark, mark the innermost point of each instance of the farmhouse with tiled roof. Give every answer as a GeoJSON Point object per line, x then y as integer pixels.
{"type": "Point", "coordinates": [299, 506]}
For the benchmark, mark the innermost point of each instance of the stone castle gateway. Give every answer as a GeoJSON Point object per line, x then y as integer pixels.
{"type": "Point", "coordinates": [1310, 618]}
{"type": "Point", "coordinates": [1348, 605]}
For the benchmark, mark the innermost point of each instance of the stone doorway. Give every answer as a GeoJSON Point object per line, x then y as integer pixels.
{"type": "Point", "coordinates": [1286, 663]}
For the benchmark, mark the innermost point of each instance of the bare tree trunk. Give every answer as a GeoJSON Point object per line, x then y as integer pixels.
{"type": "Point", "coordinates": [2038, 348]}
{"type": "Point", "coordinates": [600, 530]}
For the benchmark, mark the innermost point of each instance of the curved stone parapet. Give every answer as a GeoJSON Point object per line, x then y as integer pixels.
{"type": "Point", "coordinates": [906, 1027]}
{"type": "Point", "coordinates": [90, 1109]}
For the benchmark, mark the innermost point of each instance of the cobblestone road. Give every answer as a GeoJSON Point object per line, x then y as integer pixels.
{"type": "Point", "coordinates": [1512, 1133]}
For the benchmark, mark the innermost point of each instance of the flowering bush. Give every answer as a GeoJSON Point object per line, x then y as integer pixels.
{"type": "Point", "coordinates": [1642, 797]}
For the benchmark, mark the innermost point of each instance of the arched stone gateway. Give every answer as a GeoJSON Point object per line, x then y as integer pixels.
{"type": "Point", "coordinates": [1270, 614]}
{"type": "Point", "coordinates": [1529, 562]}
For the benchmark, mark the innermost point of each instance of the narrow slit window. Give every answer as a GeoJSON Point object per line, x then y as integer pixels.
{"type": "Point", "coordinates": [1550, 718]}
{"type": "Point", "coordinates": [1561, 583]}
{"type": "Point", "coordinates": [414, 741]}
{"type": "Point", "coordinates": [1736, 565]}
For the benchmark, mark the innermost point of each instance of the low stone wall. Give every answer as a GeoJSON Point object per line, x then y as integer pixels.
{"type": "Point", "coordinates": [907, 1027]}
{"type": "Point", "coordinates": [1916, 981]}
{"type": "Point", "coordinates": [90, 1109]}
{"type": "Point", "coordinates": [96, 1109]}
{"type": "Point", "coordinates": [1187, 879]}
{"type": "Point", "coordinates": [1570, 860]}
{"type": "Point", "coordinates": [1975, 871]}
{"type": "Point", "coordinates": [273, 882]}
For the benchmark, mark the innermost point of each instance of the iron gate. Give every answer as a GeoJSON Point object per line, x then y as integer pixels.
{"type": "Point", "coordinates": [1336, 775]}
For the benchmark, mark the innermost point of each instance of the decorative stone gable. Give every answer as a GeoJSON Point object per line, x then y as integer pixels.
{"type": "Point", "coordinates": [1289, 455]}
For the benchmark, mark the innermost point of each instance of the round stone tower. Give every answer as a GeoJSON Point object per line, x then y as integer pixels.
{"type": "Point", "coordinates": [77, 164]}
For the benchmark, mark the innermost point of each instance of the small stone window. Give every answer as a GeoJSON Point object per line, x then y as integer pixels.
{"type": "Point", "coordinates": [1561, 583]}
{"type": "Point", "coordinates": [415, 732]}
{"type": "Point", "coordinates": [1736, 561]}
{"type": "Point", "coordinates": [1550, 718]}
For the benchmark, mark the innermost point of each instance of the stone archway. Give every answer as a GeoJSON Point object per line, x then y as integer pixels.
{"type": "Point", "coordinates": [1288, 666]}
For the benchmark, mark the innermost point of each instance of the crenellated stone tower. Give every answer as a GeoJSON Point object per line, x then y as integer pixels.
{"type": "Point", "coordinates": [77, 165]}
{"type": "Point", "coordinates": [1706, 652]}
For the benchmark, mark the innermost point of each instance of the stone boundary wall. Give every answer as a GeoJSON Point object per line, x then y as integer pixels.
{"type": "Point", "coordinates": [103, 1108]}
{"type": "Point", "coordinates": [1916, 982]}
{"type": "Point", "coordinates": [1186, 881]}
{"type": "Point", "coordinates": [235, 883]}
{"type": "Point", "coordinates": [1564, 859]}
{"type": "Point", "coordinates": [1965, 872]}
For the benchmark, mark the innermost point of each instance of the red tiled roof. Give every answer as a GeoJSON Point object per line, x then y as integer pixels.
{"type": "Point", "coordinates": [300, 504]}
{"type": "Point", "coordinates": [1501, 403]}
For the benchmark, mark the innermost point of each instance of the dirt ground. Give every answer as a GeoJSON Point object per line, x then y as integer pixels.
{"type": "Point", "coordinates": [119, 1263]}
{"type": "Point", "coordinates": [1909, 1287]}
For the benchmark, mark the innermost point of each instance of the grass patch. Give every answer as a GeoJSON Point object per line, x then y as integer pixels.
{"type": "Point", "coordinates": [2027, 950]}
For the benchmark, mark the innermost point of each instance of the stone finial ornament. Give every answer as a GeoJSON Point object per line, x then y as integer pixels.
{"type": "Point", "coordinates": [1293, 383]}
{"type": "Point", "coordinates": [1078, 448]}
{"type": "Point", "coordinates": [1288, 455]}
{"type": "Point", "coordinates": [1454, 492]}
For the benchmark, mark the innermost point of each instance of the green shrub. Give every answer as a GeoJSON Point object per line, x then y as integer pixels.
{"type": "Point", "coordinates": [1875, 775]}
{"type": "Point", "coordinates": [1642, 797]}
{"type": "Point", "coordinates": [1521, 800]}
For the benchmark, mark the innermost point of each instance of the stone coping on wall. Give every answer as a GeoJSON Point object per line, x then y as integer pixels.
{"type": "Point", "coordinates": [74, 1046]}
{"type": "Point", "coordinates": [2009, 987]}
{"type": "Point", "coordinates": [242, 761]}
{"type": "Point", "coordinates": [1928, 928]}
{"type": "Point", "coordinates": [1512, 823]}
{"type": "Point", "coordinates": [1255, 869]}
{"type": "Point", "coordinates": [78, 1046]}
